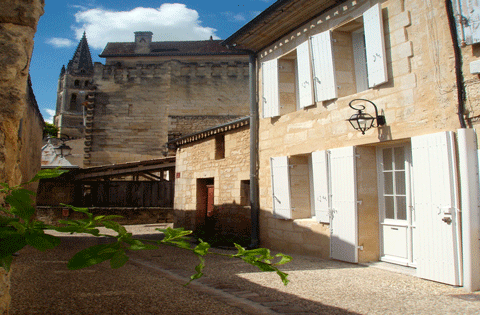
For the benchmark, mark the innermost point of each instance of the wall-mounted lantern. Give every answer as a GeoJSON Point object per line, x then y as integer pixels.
{"type": "Point", "coordinates": [363, 121]}
{"type": "Point", "coordinates": [63, 149]}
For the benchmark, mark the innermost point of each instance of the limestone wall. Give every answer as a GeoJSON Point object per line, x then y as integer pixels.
{"type": "Point", "coordinates": [196, 163]}
{"type": "Point", "coordinates": [18, 23]}
{"type": "Point", "coordinates": [419, 98]}
{"type": "Point", "coordinates": [30, 135]}
{"type": "Point", "coordinates": [135, 97]}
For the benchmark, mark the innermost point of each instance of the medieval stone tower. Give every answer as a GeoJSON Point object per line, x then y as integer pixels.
{"type": "Point", "coordinates": [73, 83]}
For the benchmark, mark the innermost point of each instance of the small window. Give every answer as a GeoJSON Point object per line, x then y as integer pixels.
{"type": "Point", "coordinates": [245, 193]}
{"type": "Point", "coordinates": [350, 59]}
{"type": "Point", "coordinates": [291, 186]}
{"type": "Point", "coordinates": [76, 83]}
{"type": "Point", "coordinates": [293, 72]}
{"type": "Point", "coordinates": [73, 102]}
{"type": "Point", "coordinates": [287, 77]}
{"type": "Point", "coordinates": [219, 147]}
{"type": "Point", "coordinates": [86, 83]}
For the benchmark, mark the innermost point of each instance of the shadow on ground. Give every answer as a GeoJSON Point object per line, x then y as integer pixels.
{"type": "Point", "coordinates": [42, 284]}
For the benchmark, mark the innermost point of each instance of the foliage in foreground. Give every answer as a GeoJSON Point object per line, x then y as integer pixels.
{"type": "Point", "coordinates": [50, 130]}
{"type": "Point", "coordinates": [19, 228]}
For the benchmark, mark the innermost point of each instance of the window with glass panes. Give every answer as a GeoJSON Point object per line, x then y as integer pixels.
{"type": "Point", "coordinates": [394, 190]}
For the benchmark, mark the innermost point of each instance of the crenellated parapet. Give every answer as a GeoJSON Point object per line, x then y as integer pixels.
{"type": "Point", "coordinates": [127, 73]}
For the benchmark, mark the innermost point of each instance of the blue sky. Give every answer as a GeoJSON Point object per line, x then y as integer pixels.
{"type": "Point", "coordinates": [61, 27]}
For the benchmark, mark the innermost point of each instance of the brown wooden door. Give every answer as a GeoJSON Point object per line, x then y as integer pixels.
{"type": "Point", "coordinates": [210, 196]}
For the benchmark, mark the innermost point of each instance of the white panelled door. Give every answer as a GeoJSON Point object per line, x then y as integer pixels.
{"type": "Point", "coordinates": [436, 208]}
{"type": "Point", "coordinates": [397, 222]}
{"type": "Point", "coordinates": [343, 214]}
{"type": "Point", "coordinates": [321, 189]}
{"type": "Point", "coordinates": [281, 187]}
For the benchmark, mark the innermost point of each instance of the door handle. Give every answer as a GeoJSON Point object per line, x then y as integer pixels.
{"type": "Point", "coordinates": [447, 220]}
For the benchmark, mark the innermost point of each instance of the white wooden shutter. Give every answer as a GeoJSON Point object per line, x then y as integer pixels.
{"type": "Point", "coordinates": [304, 75]}
{"type": "Point", "coordinates": [321, 193]}
{"type": "Point", "coordinates": [281, 187]}
{"type": "Point", "coordinates": [375, 46]}
{"type": "Point", "coordinates": [323, 67]}
{"type": "Point", "coordinates": [470, 13]}
{"type": "Point", "coordinates": [343, 226]}
{"type": "Point", "coordinates": [270, 89]}
{"type": "Point", "coordinates": [436, 201]}
{"type": "Point", "coordinates": [360, 61]}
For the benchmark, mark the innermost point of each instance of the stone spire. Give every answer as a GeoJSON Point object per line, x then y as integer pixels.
{"type": "Point", "coordinates": [81, 63]}
{"type": "Point", "coordinates": [62, 72]}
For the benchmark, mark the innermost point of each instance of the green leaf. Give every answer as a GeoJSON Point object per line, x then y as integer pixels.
{"type": "Point", "coordinates": [283, 276]}
{"type": "Point", "coordinates": [11, 244]}
{"type": "Point", "coordinates": [119, 259]}
{"type": "Point", "coordinates": [6, 262]}
{"type": "Point", "coordinates": [47, 173]}
{"type": "Point", "coordinates": [4, 220]}
{"type": "Point", "coordinates": [285, 259]}
{"type": "Point", "coordinates": [8, 231]}
{"type": "Point", "coordinates": [139, 245]}
{"type": "Point", "coordinates": [107, 217]}
{"type": "Point", "coordinates": [5, 209]}
{"type": "Point", "coordinates": [91, 256]}
{"type": "Point", "coordinates": [77, 229]}
{"type": "Point", "coordinates": [240, 249]}
{"type": "Point", "coordinates": [18, 226]}
{"type": "Point", "coordinates": [117, 227]}
{"type": "Point", "coordinates": [198, 269]}
{"type": "Point", "coordinates": [202, 249]}
{"type": "Point", "coordinates": [42, 241]}
{"type": "Point", "coordinates": [177, 242]}
{"type": "Point", "coordinates": [21, 203]}
{"type": "Point", "coordinates": [76, 209]}
{"type": "Point", "coordinates": [174, 233]}
{"type": "Point", "coordinates": [262, 266]}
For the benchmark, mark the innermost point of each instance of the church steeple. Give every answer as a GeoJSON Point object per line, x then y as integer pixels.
{"type": "Point", "coordinates": [81, 63]}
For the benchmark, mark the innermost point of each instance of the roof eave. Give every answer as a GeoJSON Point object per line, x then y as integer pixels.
{"type": "Point", "coordinates": [235, 53]}
{"type": "Point", "coordinates": [200, 135]}
{"type": "Point", "coordinates": [255, 22]}
{"type": "Point", "coordinates": [266, 22]}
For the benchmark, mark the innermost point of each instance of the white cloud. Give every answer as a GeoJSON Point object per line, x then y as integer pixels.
{"type": "Point", "coordinates": [171, 21]}
{"type": "Point", "coordinates": [255, 13]}
{"type": "Point", "coordinates": [235, 17]}
{"type": "Point", "coordinates": [60, 42]}
{"type": "Point", "coordinates": [50, 113]}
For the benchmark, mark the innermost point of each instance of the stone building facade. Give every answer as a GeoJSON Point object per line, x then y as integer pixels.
{"type": "Point", "coordinates": [212, 180]}
{"type": "Point", "coordinates": [392, 194]}
{"type": "Point", "coordinates": [150, 92]}
{"type": "Point", "coordinates": [21, 124]}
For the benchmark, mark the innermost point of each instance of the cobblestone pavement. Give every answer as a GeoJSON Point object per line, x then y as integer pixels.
{"type": "Point", "coordinates": [152, 283]}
